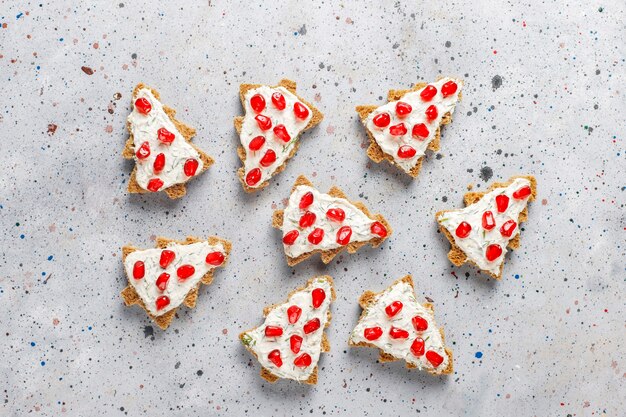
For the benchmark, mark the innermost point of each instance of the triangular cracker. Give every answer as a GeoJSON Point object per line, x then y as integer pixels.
{"type": "Point", "coordinates": [473, 243]}
{"type": "Point", "coordinates": [164, 135]}
{"type": "Point", "coordinates": [401, 135]}
{"type": "Point", "coordinates": [149, 268]}
{"type": "Point", "coordinates": [264, 151]}
{"type": "Point", "coordinates": [290, 341]}
{"type": "Point", "coordinates": [357, 228]}
{"type": "Point", "coordinates": [403, 329]}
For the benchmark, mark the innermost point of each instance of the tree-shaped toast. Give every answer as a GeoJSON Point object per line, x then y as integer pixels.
{"type": "Point", "coordinates": [289, 343]}
{"type": "Point", "coordinates": [165, 158]}
{"type": "Point", "coordinates": [401, 130]}
{"type": "Point", "coordinates": [402, 329]}
{"type": "Point", "coordinates": [163, 278]}
{"type": "Point", "coordinates": [481, 232]}
{"type": "Point", "coordinates": [326, 223]}
{"type": "Point", "coordinates": [270, 130]}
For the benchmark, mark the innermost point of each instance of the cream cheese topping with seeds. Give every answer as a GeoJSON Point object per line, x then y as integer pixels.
{"type": "Point", "coordinates": [311, 344]}
{"type": "Point", "coordinates": [480, 243]}
{"type": "Point", "coordinates": [178, 285]}
{"type": "Point", "coordinates": [405, 136]}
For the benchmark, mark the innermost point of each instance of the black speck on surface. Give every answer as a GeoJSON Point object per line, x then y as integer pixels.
{"type": "Point", "coordinates": [148, 331]}
{"type": "Point", "coordinates": [448, 44]}
{"type": "Point", "coordinates": [486, 173]}
{"type": "Point", "coordinates": [200, 372]}
{"type": "Point", "coordinates": [302, 30]}
{"type": "Point", "coordinates": [496, 82]}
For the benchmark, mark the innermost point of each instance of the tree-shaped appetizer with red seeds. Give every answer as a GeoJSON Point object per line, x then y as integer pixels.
{"type": "Point", "coordinates": [163, 278]}
{"type": "Point", "coordinates": [165, 158]}
{"type": "Point", "coordinates": [270, 130]}
{"type": "Point", "coordinates": [289, 343]}
{"type": "Point", "coordinates": [401, 130]}
{"type": "Point", "coordinates": [403, 329]}
{"type": "Point", "coordinates": [314, 222]}
{"type": "Point", "coordinates": [481, 232]}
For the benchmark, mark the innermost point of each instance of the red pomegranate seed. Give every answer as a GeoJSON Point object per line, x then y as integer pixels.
{"type": "Point", "coordinates": [431, 113]}
{"type": "Point", "coordinates": [293, 313]}
{"type": "Point", "coordinates": [508, 228]}
{"type": "Point", "coordinates": [215, 258]}
{"type": "Point", "coordinates": [502, 202]}
{"type": "Point", "coordinates": [522, 193]}
{"type": "Point", "coordinates": [434, 358]}
{"type": "Point", "coordinates": [256, 143]}
{"type": "Point", "coordinates": [463, 230]}
{"type": "Point", "coordinates": [295, 343]}
{"type": "Point", "coordinates": [165, 136]}
{"type": "Point", "coordinates": [381, 120]}
{"type": "Point", "coordinates": [143, 106]}
{"type": "Point", "coordinates": [420, 131]}
{"type": "Point", "coordinates": [167, 256]}
{"type": "Point", "coordinates": [161, 281]}
{"type": "Point", "coordinates": [273, 331]}
{"type": "Point", "coordinates": [278, 100]}
{"type": "Point", "coordinates": [268, 159]}
{"type": "Point", "coordinates": [378, 229]}
{"type": "Point", "coordinates": [428, 93]}
{"type": "Point", "coordinates": [302, 361]}
{"type": "Point", "coordinates": [372, 333]}
{"type": "Point", "coordinates": [300, 110]}
{"type": "Point", "coordinates": [264, 122]}
{"type": "Point", "coordinates": [402, 108]}
{"type": "Point", "coordinates": [253, 177]}
{"type": "Point", "coordinates": [139, 270]}
{"type": "Point", "coordinates": [343, 235]}
{"type": "Point", "coordinates": [489, 222]}
{"type": "Point", "coordinates": [190, 167]}
{"type": "Point", "coordinates": [274, 357]}
{"type": "Point", "coordinates": [162, 302]}
{"type": "Point", "coordinates": [290, 238]}
{"type": "Point", "coordinates": [448, 88]}
{"type": "Point", "coordinates": [281, 133]}
{"type": "Point", "coordinates": [144, 151]}
{"type": "Point", "coordinates": [311, 326]}
{"type": "Point", "coordinates": [336, 214]}
{"type": "Point", "coordinates": [257, 102]}
{"type": "Point", "coordinates": [396, 333]}
{"type": "Point", "coordinates": [417, 347]}
{"type": "Point", "coordinates": [398, 130]}
{"type": "Point", "coordinates": [420, 323]}
{"type": "Point", "coordinates": [185, 271]}
{"type": "Point", "coordinates": [154, 185]}
{"type": "Point", "coordinates": [159, 163]}
{"type": "Point", "coordinates": [493, 252]}
{"type": "Point", "coordinates": [307, 219]}
{"type": "Point", "coordinates": [316, 236]}
{"type": "Point", "coordinates": [306, 200]}
{"type": "Point", "coordinates": [406, 151]}
{"type": "Point", "coordinates": [393, 308]}
{"type": "Point", "coordinates": [318, 296]}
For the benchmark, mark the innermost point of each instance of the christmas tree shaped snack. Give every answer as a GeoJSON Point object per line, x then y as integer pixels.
{"type": "Point", "coordinates": [163, 278]}
{"type": "Point", "coordinates": [481, 232]}
{"type": "Point", "coordinates": [403, 329]}
{"type": "Point", "coordinates": [165, 158]}
{"type": "Point", "coordinates": [315, 222]}
{"type": "Point", "coordinates": [290, 341]}
{"type": "Point", "coordinates": [401, 130]}
{"type": "Point", "coordinates": [270, 130]}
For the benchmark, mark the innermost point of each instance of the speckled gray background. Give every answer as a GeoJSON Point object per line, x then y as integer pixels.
{"type": "Point", "coordinates": [544, 95]}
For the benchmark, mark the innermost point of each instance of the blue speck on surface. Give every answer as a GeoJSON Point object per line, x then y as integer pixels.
{"type": "Point", "coordinates": [478, 355]}
{"type": "Point", "coordinates": [43, 274]}
{"type": "Point", "coordinates": [516, 276]}
{"type": "Point", "coordinates": [22, 236]}
{"type": "Point", "coordinates": [50, 257]}
{"type": "Point", "coordinates": [32, 343]}
{"type": "Point", "coordinates": [20, 14]}
{"type": "Point", "coordinates": [60, 39]}
{"type": "Point", "coordinates": [43, 363]}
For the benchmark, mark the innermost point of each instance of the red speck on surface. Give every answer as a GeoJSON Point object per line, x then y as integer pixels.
{"type": "Point", "coordinates": [55, 321]}
{"type": "Point", "coordinates": [495, 52]}
{"type": "Point", "coordinates": [96, 45]}
{"type": "Point", "coordinates": [224, 331]}
{"type": "Point", "coordinates": [51, 128]}
{"type": "Point", "coordinates": [524, 23]}
{"type": "Point", "coordinates": [87, 70]}
{"type": "Point", "coordinates": [454, 274]}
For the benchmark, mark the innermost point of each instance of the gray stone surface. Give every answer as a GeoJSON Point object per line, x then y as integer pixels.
{"type": "Point", "coordinates": [544, 95]}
